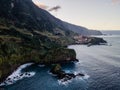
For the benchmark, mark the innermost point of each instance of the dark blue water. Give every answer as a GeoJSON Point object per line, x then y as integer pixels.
{"type": "Point", "coordinates": [100, 64]}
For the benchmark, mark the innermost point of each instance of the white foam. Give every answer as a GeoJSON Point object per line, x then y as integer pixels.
{"type": "Point", "coordinates": [18, 75]}
{"type": "Point", "coordinates": [62, 82]}
{"type": "Point", "coordinates": [41, 65]}
{"type": "Point", "coordinates": [75, 73]}
{"type": "Point", "coordinates": [78, 63]}
{"type": "Point", "coordinates": [51, 73]}
{"type": "Point", "coordinates": [82, 77]}
{"type": "Point", "coordinates": [86, 76]}
{"type": "Point", "coordinates": [67, 71]}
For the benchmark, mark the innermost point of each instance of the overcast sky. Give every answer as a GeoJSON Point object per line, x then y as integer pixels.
{"type": "Point", "coordinates": [93, 14]}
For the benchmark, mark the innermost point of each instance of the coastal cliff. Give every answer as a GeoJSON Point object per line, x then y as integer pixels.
{"type": "Point", "coordinates": [23, 48]}
{"type": "Point", "coordinates": [31, 34]}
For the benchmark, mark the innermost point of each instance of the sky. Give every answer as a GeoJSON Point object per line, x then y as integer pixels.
{"type": "Point", "coordinates": [92, 14]}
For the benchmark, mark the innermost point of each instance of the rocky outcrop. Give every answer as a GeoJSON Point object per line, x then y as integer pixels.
{"type": "Point", "coordinates": [57, 70]}
{"type": "Point", "coordinates": [96, 41]}
{"type": "Point", "coordinates": [89, 40]}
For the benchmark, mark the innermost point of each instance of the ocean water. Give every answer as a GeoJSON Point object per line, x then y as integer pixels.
{"type": "Point", "coordinates": [110, 32]}
{"type": "Point", "coordinates": [100, 64]}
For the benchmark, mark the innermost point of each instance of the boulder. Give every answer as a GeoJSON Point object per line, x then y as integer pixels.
{"type": "Point", "coordinates": [62, 74]}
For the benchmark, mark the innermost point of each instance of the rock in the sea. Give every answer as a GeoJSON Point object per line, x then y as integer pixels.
{"type": "Point", "coordinates": [57, 70]}
{"type": "Point", "coordinates": [9, 79]}
{"type": "Point", "coordinates": [80, 74]}
{"type": "Point", "coordinates": [21, 74]}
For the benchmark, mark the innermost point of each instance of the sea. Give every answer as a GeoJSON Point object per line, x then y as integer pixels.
{"type": "Point", "coordinates": [99, 63]}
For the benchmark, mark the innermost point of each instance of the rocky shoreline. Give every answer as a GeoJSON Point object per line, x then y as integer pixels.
{"type": "Point", "coordinates": [56, 56]}
{"type": "Point", "coordinates": [18, 75]}
{"type": "Point", "coordinates": [59, 56]}
{"type": "Point", "coordinates": [62, 75]}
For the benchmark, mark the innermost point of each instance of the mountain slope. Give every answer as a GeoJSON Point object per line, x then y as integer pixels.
{"type": "Point", "coordinates": [25, 14]}
{"type": "Point", "coordinates": [30, 34]}
{"type": "Point", "coordinates": [81, 30]}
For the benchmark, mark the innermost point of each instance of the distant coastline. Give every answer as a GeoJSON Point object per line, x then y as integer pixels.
{"type": "Point", "coordinates": [111, 32]}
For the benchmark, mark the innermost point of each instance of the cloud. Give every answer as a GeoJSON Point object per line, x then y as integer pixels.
{"type": "Point", "coordinates": [45, 7]}
{"type": "Point", "coordinates": [116, 1]}
{"type": "Point", "coordinates": [41, 5]}
{"type": "Point", "coordinates": [54, 8]}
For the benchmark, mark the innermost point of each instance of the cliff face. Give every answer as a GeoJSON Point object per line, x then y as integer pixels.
{"type": "Point", "coordinates": [30, 34]}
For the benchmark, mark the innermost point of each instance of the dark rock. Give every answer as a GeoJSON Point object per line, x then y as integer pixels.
{"type": "Point", "coordinates": [26, 73]}
{"type": "Point", "coordinates": [9, 79]}
{"type": "Point", "coordinates": [71, 75]}
{"type": "Point", "coordinates": [67, 78]}
{"type": "Point", "coordinates": [21, 74]}
{"type": "Point", "coordinates": [76, 60]}
{"type": "Point", "coordinates": [56, 69]}
{"type": "Point", "coordinates": [97, 41]}
{"type": "Point", "coordinates": [14, 77]}
{"type": "Point", "coordinates": [62, 74]}
{"type": "Point", "coordinates": [29, 74]}
{"type": "Point", "coordinates": [80, 74]}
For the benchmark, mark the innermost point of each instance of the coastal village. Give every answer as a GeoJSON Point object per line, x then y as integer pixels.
{"type": "Point", "coordinates": [81, 39]}
{"type": "Point", "coordinates": [88, 40]}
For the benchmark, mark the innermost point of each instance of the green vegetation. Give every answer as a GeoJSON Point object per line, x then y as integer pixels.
{"type": "Point", "coordinates": [19, 46]}
{"type": "Point", "coordinates": [30, 34]}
